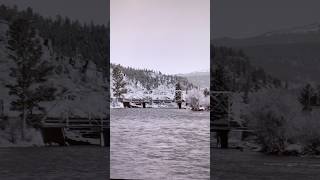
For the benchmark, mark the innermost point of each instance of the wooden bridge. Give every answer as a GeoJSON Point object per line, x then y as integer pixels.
{"type": "Point", "coordinates": [129, 102]}
{"type": "Point", "coordinates": [227, 125]}
{"type": "Point", "coordinates": [135, 100]}
{"type": "Point", "coordinates": [223, 123]}
{"type": "Point", "coordinates": [56, 129]}
{"type": "Point", "coordinates": [222, 129]}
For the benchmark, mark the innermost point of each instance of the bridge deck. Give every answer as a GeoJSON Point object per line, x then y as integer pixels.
{"type": "Point", "coordinates": [76, 123]}
{"type": "Point", "coordinates": [63, 125]}
{"type": "Point", "coordinates": [147, 101]}
{"type": "Point", "coordinates": [227, 128]}
{"type": "Point", "coordinates": [227, 125]}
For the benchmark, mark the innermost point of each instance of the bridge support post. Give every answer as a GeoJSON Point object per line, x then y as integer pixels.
{"type": "Point", "coordinates": [223, 138]}
{"type": "Point", "coordinates": [144, 105]}
{"type": "Point", "coordinates": [102, 134]}
{"type": "Point", "coordinates": [102, 139]}
{"type": "Point", "coordinates": [179, 105]}
{"type": "Point", "coordinates": [107, 137]}
{"type": "Point", "coordinates": [126, 104]}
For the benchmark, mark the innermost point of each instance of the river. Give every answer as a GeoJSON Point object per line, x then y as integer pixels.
{"type": "Point", "coordinates": [159, 144]}
{"type": "Point", "coordinates": [74, 162]}
{"type": "Point", "coordinates": [230, 164]}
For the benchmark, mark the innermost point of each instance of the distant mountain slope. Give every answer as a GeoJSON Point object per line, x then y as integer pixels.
{"type": "Point", "coordinates": [302, 34]}
{"type": "Point", "coordinates": [201, 79]}
{"type": "Point", "coordinates": [309, 28]}
{"type": "Point", "coordinates": [291, 54]}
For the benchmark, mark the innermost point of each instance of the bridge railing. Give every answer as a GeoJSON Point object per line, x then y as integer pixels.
{"type": "Point", "coordinates": [76, 122]}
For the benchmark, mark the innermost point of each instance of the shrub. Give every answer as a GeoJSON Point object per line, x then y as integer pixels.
{"type": "Point", "coordinates": [269, 114]}
{"type": "Point", "coordinates": [271, 131]}
{"type": "Point", "coordinates": [196, 99]}
{"type": "Point", "coordinates": [304, 129]}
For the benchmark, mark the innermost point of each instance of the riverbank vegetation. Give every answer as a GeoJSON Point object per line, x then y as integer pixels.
{"type": "Point", "coordinates": [283, 116]}
{"type": "Point", "coordinates": [198, 99]}
{"type": "Point", "coordinates": [281, 126]}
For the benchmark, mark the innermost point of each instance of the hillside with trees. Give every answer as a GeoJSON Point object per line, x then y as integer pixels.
{"type": "Point", "coordinates": [150, 79]}
{"type": "Point", "coordinates": [240, 74]}
{"type": "Point", "coordinates": [68, 38]}
{"type": "Point", "coordinates": [49, 68]}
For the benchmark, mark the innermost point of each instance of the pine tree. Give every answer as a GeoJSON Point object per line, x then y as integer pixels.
{"type": "Point", "coordinates": [305, 97]}
{"type": "Point", "coordinates": [220, 102]}
{"type": "Point", "coordinates": [178, 94]}
{"type": "Point", "coordinates": [220, 79]}
{"type": "Point", "coordinates": [206, 92]}
{"type": "Point", "coordinates": [118, 82]}
{"type": "Point", "coordinates": [29, 71]}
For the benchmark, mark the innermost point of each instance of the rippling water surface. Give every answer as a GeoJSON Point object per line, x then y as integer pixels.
{"type": "Point", "coordinates": [159, 144]}
{"type": "Point", "coordinates": [74, 162]}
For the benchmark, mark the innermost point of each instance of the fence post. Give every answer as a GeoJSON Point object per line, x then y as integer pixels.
{"type": "Point", "coordinates": [1, 108]}
{"type": "Point", "coordinates": [101, 133]}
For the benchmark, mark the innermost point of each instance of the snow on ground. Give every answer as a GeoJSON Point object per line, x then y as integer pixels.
{"type": "Point", "coordinates": [135, 90]}
{"type": "Point", "coordinates": [164, 91]}
{"type": "Point", "coordinates": [79, 91]}
{"type": "Point", "coordinates": [10, 137]}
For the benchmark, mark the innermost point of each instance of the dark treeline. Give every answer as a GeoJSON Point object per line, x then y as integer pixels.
{"type": "Point", "coordinates": [151, 79]}
{"type": "Point", "coordinates": [239, 74]}
{"type": "Point", "coordinates": [67, 37]}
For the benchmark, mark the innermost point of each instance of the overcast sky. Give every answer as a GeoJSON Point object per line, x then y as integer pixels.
{"type": "Point", "coordinates": [171, 36]}
{"type": "Point", "coordinates": [242, 18]}
{"type": "Point", "coordinates": [82, 10]}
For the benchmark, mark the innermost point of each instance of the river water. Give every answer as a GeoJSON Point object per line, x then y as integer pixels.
{"type": "Point", "coordinates": [233, 164]}
{"type": "Point", "coordinates": [159, 144]}
{"type": "Point", "coordinates": [74, 162]}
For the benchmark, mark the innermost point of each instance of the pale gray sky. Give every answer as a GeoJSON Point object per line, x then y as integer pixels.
{"type": "Point", "coordinates": [244, 18]}
{"type": "Point", "coordinates": [82, 10]}
{"type": "Point", "coordinates": [171, 36]}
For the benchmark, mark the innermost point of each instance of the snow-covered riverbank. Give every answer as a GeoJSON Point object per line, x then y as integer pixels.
{"type": "Point", "coordinates": [11, 138]}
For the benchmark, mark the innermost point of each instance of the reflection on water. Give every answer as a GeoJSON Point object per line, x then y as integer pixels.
{"type": "Point", "coordinates": [159, 144]}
